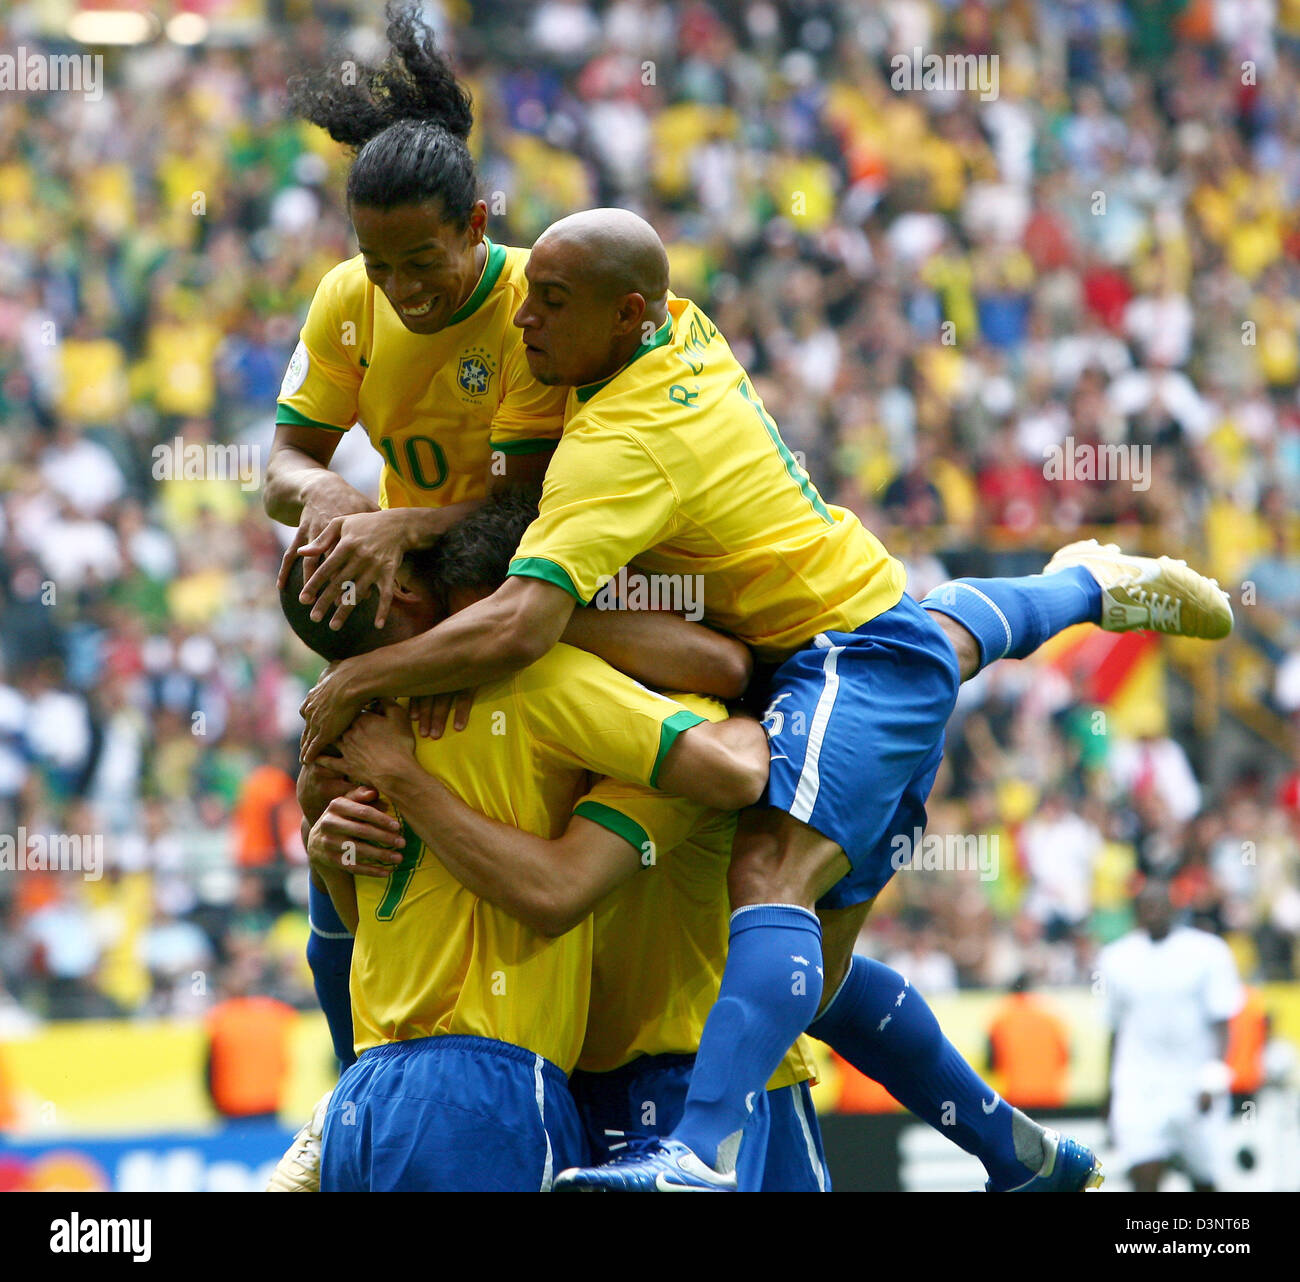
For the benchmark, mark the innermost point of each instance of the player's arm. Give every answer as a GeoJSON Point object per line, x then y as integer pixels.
{"type": "Point", "coordinates": [488, 640]}
{"type": "Point", "coordinates": [548, 884]}
{"type": "Point", "coordinates": [366, 548]}
{"type": "Point", "coordinates": [316, 788]}
{"type": "Point", "coordinates": [602, 505]}
{"type": "Point", "coordinates": [1216, 1074]}
{"type": "Point", "coordinates": [316, 406]}
{"type": "Point", "coordinates": [663, 650]}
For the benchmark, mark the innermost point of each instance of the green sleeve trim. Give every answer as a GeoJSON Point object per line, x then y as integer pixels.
{"type": "Point", "coordinates": [668, 733]}
{"type": "Point", "coordinates": [526, 445]}
{"type": "Point", "coordinates": [616, 822]}
{"type": "Point", "coordinates": [538, 567]}
{"type": "Point", "coordinates": [496, 260]}
{"type": "Point", "coordinates": [287, 416]}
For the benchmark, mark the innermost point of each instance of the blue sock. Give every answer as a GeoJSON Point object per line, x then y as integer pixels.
{"type": "Point", "coordinates": [771, 989]}
{"type": "Point", "coordinates": [1011, 618]}
{"type": "Point", "coordinates": [329, 954]}
{"type": "Point", "coordinates": [883, 1027]}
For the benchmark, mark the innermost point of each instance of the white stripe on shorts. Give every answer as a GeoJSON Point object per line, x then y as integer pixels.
{"type": "Point", "coordinates": [805, 794]}
{"type": "Point", "coordinates": [539, 1093]}
{"type": "Point", "coordinates": [819, 1170]}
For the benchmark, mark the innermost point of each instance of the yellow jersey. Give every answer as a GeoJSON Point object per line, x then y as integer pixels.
{"type": "Point", "coordinates": [435, 406]}
{"type": "Point", "coordinates": [674, 461]}
{"type": "Point", "coordinates": [661, 938]}
{"type": "Point", "coordinates": [431, 957]}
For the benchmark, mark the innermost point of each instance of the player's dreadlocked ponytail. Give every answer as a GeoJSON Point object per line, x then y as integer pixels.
{"type": "Point", "coordinates": [407, 118]}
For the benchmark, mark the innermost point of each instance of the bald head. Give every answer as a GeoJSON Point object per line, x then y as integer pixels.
{"type": "Point", "coordinates": [619, 253]}
{"type": "Point", "coordinates": [597, 291]}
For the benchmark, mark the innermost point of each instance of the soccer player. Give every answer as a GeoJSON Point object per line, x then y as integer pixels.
{"type": "Point", "coordinates": [413, 338]}
{"type": "Point", "coordinates": [653, 868]}
{"type": "Point", "coordinates": [468, 1020]}
{"type": "Point", "coordinates": [669, 457]}
{"type": "Point", "coordinates": [1169, 993]}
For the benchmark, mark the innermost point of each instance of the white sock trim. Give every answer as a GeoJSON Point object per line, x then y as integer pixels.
{"type": "Point", "coordinates": [826, 1010]}
{"type": "Point", "coordinates": [992, 606]}
{"type": "Point", "coordinates": [799, 908]}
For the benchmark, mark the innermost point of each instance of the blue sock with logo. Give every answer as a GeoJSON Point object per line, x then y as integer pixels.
{"type": "Point", "coordinates": [1011, 618]}
{"type": "Point", "coordinates": [883, 1027]}
{"type": "Point", "coordinates": [329, 954]}
{"type": "Point", "coordinates": [770, 991]}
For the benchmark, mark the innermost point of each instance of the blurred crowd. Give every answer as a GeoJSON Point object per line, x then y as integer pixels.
{"type": "Point", "coordinates": [934, 290]}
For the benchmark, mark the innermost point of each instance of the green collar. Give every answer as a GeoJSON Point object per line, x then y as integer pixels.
{"type": "Point", "coordinates": [496, 260]}
{"type": "Point", "coordinates": [662, 335]}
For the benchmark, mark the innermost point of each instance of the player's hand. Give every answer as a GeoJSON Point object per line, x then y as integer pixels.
{"type": "Point", "coordinates": [429, 711]}
{"type": "Point", "coordinates": [355, 835]}
{"type": "Point", "coordinates": [324, 504]}
{"type": "Point", "coordinates": [318, 785]}
{"type": "Point", "coordinates": [378, 746]}
{"type": "Point", "coordinates": [329, 708]}
{"type": "Point", "coordinates": [358, 551]}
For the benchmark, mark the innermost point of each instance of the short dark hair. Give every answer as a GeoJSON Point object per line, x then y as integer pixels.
{"type": "Point", "coordinates": [358, 635]}
{"type": "Point", "coordinates": [476, 552]}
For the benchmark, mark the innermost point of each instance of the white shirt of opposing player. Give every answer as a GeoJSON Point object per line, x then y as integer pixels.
{"type": "Point", "coordinates": [1163, 1000]}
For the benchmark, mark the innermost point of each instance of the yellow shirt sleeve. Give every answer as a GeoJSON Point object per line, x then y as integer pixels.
{"type": "Point", "coordinates": [530, 417]}
{"type": "Point", "coordinates": [605, 499]}
{"type": "Point", "coordinates": [594, 718]}
{"type": "Point", "coordinates": [650, 821]}
{"type": "Point", "coordinates": [324, 375]}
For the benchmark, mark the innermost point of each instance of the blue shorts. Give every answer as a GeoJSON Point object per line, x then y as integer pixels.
{"type": "Point", "coordinates": [781, 1151]}
{"type": "Point", "coordinates": [450, 1115]}
{"type": "Point", "coordinates": [855, 724]}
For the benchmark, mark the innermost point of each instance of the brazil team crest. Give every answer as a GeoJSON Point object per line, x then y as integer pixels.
{"type": "Point", "coordinates": [474, 373]}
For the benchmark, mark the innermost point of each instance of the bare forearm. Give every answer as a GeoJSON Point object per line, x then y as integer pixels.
{"type": "Point", "coordinates": [341, 889]}
{"type": "Point", "coordinates": [663, 650]}
{"type": "Point", "coordinates": [485, 642]}
{"type": "Point", "coordinates": [516, 871]}
{"type": "Point", "coordinates": [293, 477]}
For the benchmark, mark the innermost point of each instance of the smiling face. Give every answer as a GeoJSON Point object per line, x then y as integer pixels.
{"type": "Point", "coordinates": [424, 266]}
{"type": "Point", "coordinates": [575, 332]}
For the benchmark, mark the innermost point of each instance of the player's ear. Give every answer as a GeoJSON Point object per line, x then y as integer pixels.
{"type": "Point", "coordinates": [631, 315]}
{"type": "Point", "coordinates": [477, 222]}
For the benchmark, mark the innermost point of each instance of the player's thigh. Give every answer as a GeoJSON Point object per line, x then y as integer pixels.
{"type": "Point", "coordinates": [776, 859]}
{"type": "Point", "coordinates": [855, 723]}
{"type": "Point", "coordinates": [795, 1161]}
